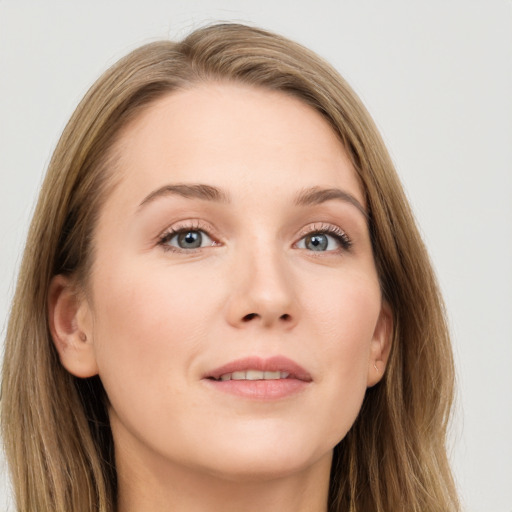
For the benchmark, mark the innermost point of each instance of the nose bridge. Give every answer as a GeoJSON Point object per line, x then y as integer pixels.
{"type": "Point", "coordinates": [263, 285]}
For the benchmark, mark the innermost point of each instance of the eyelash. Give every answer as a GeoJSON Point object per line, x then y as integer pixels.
{"type": "Point", "coordinates": [182, 228]}
{"type": "Point", "coordinates": [341, 237]}
{"type": "Point", "coordinates": [328, 229]}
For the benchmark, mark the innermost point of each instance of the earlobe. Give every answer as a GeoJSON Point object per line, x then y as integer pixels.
{"type": "Point", "coordinates": [380, 345]}
{"type": "Point", "coordinates": [71, 327]}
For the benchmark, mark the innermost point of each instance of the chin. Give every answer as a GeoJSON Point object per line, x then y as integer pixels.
{"type": "Point", "coordinates": [265, 457]}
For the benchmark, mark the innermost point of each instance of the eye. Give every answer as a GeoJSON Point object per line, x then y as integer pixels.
{"type": "Point", "coordinates": [186, 239]}
{"type": "Point", "coordinates": [324, 240]}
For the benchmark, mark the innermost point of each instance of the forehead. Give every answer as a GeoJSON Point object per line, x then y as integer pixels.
{"type": "Point", "coordinates": [233, 136]}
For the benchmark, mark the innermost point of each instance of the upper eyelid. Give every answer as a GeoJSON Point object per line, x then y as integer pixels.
{"type": "Point", "coordinates": [321, 227]}
{"type": "Point", "coordinates": [189, 225]}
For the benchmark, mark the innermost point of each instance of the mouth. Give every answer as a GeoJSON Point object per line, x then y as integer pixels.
{"type": "Point", "coordinates": [260, 378]}
{"type": "Point", "coordinates": [253, 375]}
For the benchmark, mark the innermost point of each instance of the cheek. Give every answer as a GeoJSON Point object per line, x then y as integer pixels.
{"type": "Point", "coordinates": [345, 311]}
{"type": "Point", "coordinates": [343, 319]}
{"type": "Point", "coordinates": [151, 306]}
{"type": "Point", "coordinates": [148, 327]}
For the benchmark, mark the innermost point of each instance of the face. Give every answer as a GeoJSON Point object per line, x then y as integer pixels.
{"type": "Point", "coordinates": [234, 305]}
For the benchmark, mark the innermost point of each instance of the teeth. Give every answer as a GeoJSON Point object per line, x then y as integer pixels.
{"type": "Point", "coordinates": [254, 375]}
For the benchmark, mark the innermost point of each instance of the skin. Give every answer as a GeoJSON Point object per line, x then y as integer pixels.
{"type": "Point", "coordinates": [156, 318]}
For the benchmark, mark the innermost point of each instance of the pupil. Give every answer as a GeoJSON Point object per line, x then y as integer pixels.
{"type": "Point", "coordinates": [317, 242]}
{"type": "Point", "coordinates": [191, 239]}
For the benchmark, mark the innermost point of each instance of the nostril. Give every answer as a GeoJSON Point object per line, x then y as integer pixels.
{"type": "Point", "coordinates": [247, 318]}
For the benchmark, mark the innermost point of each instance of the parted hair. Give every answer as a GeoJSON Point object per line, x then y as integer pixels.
{"type": "Point", "coordinates": [55, 427]}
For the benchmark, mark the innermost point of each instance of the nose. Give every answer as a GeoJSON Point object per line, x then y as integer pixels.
{"type": "Point", "coordinates": [262, 291]}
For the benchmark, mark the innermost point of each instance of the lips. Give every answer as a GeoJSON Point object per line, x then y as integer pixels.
{"type": "Point", "coordinates": [259, 378]}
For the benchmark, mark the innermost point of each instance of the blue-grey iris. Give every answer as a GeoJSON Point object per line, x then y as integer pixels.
{"type": "Point", "coordinates": [190, 240]}
{"type": "Point", "coordinates": [317, 242]}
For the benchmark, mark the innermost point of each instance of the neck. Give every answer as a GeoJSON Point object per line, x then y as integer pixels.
{"type": "Point", "coordinates": [144, 488]}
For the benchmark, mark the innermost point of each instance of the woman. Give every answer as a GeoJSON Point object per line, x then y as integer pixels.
{"type": "Point", "coordinates": [224, 302]}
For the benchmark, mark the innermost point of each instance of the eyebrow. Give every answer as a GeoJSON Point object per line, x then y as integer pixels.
{"type": "Point", "coordinates": [189, 191]}
{"type": "Point", "coordinates": [317, 195]}
{"type": "Point", "coordinates": [307, 197]}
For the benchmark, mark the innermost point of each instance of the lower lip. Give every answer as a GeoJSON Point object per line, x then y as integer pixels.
{"type": "Point", "coordinates": [260, 389]}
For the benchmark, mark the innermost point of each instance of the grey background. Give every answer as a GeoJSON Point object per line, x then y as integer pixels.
{"type": "Point", "coordinates": [436, 76]}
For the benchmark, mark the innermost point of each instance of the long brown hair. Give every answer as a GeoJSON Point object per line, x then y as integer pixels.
{"type": "Point", "coordinates": [55, 426]}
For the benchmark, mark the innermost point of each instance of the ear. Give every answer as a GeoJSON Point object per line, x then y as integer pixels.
{"type": "Point", "coordinates": [70, 324]}
{"type": "Point", "coordinates": [380, 345]}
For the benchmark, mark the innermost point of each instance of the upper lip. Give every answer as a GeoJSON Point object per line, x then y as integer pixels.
{"type": "Point", "coordinates": [270, 364]}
